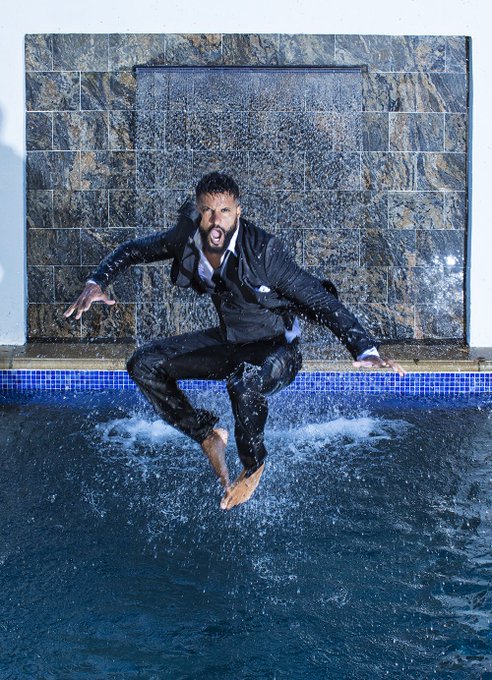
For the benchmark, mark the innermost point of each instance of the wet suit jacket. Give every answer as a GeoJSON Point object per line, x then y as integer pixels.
{"type": "Point", "coordinates": [258, 290]}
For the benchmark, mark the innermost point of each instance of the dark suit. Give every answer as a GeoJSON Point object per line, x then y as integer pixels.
{"type": "Point", "coordinates": [258, 290]}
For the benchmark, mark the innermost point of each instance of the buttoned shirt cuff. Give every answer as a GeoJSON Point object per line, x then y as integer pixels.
{"type": "Point", "coordinates": [92, 281]}
{"type": "Point", "coordinates": [371, 352]}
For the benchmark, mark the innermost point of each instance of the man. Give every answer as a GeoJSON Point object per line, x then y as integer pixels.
{"type": "Point", "coordinates": [257, 289]}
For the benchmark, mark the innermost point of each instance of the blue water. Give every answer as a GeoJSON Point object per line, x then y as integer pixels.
{"type": "Point", "coordinates": [365, 553]}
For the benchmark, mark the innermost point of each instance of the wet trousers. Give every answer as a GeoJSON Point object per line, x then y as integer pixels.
{"type": "Point", "coordinates": [252, 372]}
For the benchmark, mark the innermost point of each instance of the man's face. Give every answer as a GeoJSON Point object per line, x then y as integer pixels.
{"type": "Point", "coordinates": [220, 215]}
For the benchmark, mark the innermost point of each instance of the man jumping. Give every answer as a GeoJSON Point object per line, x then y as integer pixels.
{"type": "Point", "coordinates": [257, 290]}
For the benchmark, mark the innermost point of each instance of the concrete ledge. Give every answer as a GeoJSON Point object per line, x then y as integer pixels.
{"type": "Point", "coordinates": [90, 356]}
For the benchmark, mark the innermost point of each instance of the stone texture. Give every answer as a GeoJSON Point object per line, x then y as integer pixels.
{"type": "Point", "coordinates": [114, 91]}
{"type": "Point", "coordinates": [415, 92]}
{"type": "Point", "coordinates": [202, 130]}
{"type": "Point", "coordinates": [388, 248]}
{"type": "Point", "coordinates": [108, 323]}
{"type": "Point", "coordinates": [95, 244]}
{"type": "Point", "coordinates": [80, 209]}
{"type": "Point", "coordinates": [389, 92]}
{"type": "Point", "coordinates": [371, 50]}
{"type": "Point", "coordinates": [418, 53]}
{"type": "Point", "coordinates": [440, 248]}
{"type": "Point", "coordinates": [360, 210]}
{"type": "Point", "coordinates": [122, 130]}
{"type": "Point", "coordinates": [309, 50]}
{"type": "Point", "coordinates": [442, 92]}
{"type": "Point", "coordinates": [193, 48]}
{"type": "Point", "coordinates": [375, 131]}
{"type": "Point", "coordinates": [40, 284]}
{"type": "Point", "coordinates": [441, 322]}
{"type": "Point", "coordinates": [129, 49]}
{"type": "Point", "coordinates": [234, 163]}
{"type": "Point", "coordinates": [416, 132]}
{"type": "Point", "coordinates": [347, 132]}
{"type": "Point", "coordinates": [39, 209]}
{"type": "Point", "coordinates": [276, 169]}
{"type": "Point", "coordinates": [332, 171]}
{"type": "Point", "coordinates": [46, 322]}
{"type": "Point", "coordinates": [455, 210]}
{"type": "Point", "coordinates": [456, 54]}
{"type": "Point", "coordinates": [39, 52]}
{"type": "Point", "coordinates": [263, 209]}
{"type": "Point", "coordinates": [456, 132]}
{"type": "Point", "coordinates": [53, 246]}
{"type": "Point", "coordinates": [80, 52]}
{"type": "Point", "coordinates": [39, 131]}
{"type": "Point", "coordinates": [107, 170]}
{"type": "Point", "coordinates": [328, 248]}
{"type": "Point", "coordinates": [53, 170]}
{"type": "Point", "coordinates": [394, 321]}
{"type": "Point", "coordinates": [144, 130]}
{"type": "Point", "coordinates": [441, 171]}
{"type": "Point", "coordinates": [52, 91]}
{"type": "Point", "coordinates": [356, 285]}
{"type": "Point", "coordinates": [416, 210]}
{"type": "Point", "coordinates": [294, 239]}
{"type": "Point", "coordinates": [214, 91]}
{"type": "Point", "coordinates": [84, 131]}
{"type": "Point", "coordinates": [251, 49]}
{"type": "Point", "coordinates": [388, 171]}
{"type": "Point", "coordinates": [122, 208]}
{"type": "Point", "coordinates": [69, 283]}
{"type": "Point", "coordinates": [321, 90]}
{"type": "Point", "coordinates": [309, 210]}
{"type": "Point", "coordinates": [276, 91]}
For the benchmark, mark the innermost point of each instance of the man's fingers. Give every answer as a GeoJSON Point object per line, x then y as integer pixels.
{"type": "Point", "coordinates": [396, 367]}
{"type": "Point", "coordinates": [377, 362]}
{"type": "Point", "coordinates": [69, 311]}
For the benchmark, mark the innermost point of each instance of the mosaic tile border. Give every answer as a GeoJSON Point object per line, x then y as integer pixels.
{"type": "Point", "coordinates": [367, 382]}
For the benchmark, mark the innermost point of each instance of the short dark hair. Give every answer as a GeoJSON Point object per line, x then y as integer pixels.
{"type": "Point", "coordinates": [217, 183]}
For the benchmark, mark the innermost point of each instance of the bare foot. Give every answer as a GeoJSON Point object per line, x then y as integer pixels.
{"type": "Point", "coordinates": [242, 489]}
{"type": "Point", "coordinates": [214, 447]}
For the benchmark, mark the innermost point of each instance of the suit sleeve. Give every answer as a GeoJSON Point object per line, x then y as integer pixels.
{"type": "Point", "coordinates": [137, 251]}
{"type": "Point", "coordinates": [311, 299]}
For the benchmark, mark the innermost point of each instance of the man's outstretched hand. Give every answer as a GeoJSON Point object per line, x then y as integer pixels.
{"type": "Point", "coordinates": [91, 293]}
{"type": "Point", "coordinates": [379, 362]}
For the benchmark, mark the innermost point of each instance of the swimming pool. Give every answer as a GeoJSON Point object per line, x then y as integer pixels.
{"type": "Point", "coordinates": [365, 552]}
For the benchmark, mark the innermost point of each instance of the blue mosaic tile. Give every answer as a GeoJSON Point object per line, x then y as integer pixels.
{"type": "Point", "coordinates": [367, 382]}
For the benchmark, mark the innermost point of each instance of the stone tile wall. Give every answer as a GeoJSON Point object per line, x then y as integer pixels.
{"type": "Point", "coordinates": [369, 189]}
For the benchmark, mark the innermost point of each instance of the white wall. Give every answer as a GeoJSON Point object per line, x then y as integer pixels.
{"type": "Point", "coordinates": [405, 17]}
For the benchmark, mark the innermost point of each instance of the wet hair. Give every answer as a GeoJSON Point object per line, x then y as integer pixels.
{"type": "Point", "coordinates": [217, 183]}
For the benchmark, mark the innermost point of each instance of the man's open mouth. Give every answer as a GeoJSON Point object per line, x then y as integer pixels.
{"type": "Point", "coordinates": [216, 235]}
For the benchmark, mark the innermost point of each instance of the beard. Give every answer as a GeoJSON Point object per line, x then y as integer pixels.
{"type": "Point", "coordinates": [209, 247]}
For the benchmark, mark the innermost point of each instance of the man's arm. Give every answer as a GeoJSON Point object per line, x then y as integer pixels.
{"type": "Point", "coordinates": [137, 251]}
{"type": "Point", "coordinates": [314, 301]}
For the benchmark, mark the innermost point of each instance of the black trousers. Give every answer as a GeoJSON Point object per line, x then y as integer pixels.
{"type": "Point", "coordinates": [252, 371]}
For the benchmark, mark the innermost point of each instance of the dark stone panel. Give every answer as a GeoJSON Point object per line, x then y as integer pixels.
{"type": "Point", "coordinates": [233, 163]}
{"type": "Point", "coordinates": [124, 289]}
{"type": "Point", "coordinates": [402, 285]}
{"type": "Point", "coordinates": [122, 208]}
{"type": "Point", "coordinates": [193, 49]}
{"type": "Point", "coordinates": [455, 210]}
{"type": "Point", "coordinates": [288, 131]}
{"type": "Point", "coordinates": [309, 50]}
{"type": "Point", "coordinates": [347, 132]}
{"type": "Point", "coordinates": [444, 248]}
{"type": "Point", "coordinates": [278, 91]}
{"type": "Point", "coordinates": [387, 321]}
{"type": "Point", "coordinates": [321, 92]}
{"type": "Point", "coordinates": [354, 284]}
{"type": "Point", "coordinates": [315, 338]}
{"type": "Point", "coordinates": [371, 50]}
{"type": "Point", "coordinates": [150, 282]}
{"type": "Point", "coordinates": [456, 54]}
{"type": "Point", "coordinates": [39, 131]}
{"type": "Point", "coordinates": [175, 91]}
{"type": "Point", "coordinates": [203, 130]}
{"type": "Point", "coordinates": [80, 209]}
{"type": "Point", "coordinates": [53, 246]}
{"type": "Point", "coordinates": [97, 243]}
{"type": "Point", "coordinates": [52, 91]}
{"type": "Point", "coordinates": [456, 132]}
{"type": "Point", "coordinates": [53, 170]}
{"type": "Point", "coordinates": [441, 171]}
{"type": "Point", "coordinates": [80, 52]}
{"type": "Point", "coordinates": [234, 131]}
{"type": "Point", "coordinates": [167, 170]}
{"type": "Point", "coordinates": [39, 209]}
{"type": "Point", "coordinates": [262, 208]}
{"type": "Point", "coordinates": [100, 91]}
{"type": "Point", "coordinates": [46, 321]}
{"type": "Point", "coordinates": [375, 131]}
{"type": "Point", "coordinates": [418, 53]}
{"type": "Point", "coordinates": [388, 171]}
{"type": "Point", "coordinates": [388, 248]}
{"type": "Point", "coordinates": [327, 171]}
{"type": "Point", "coordinates": [85, 131]}
{"type": "Point", "coordinates": [250, 49]}
{"type": "Point", "coordinates": [360, 210]}
{"type": "Point", "coordinates": [40, 284]}
{"type": "Point", "coordinates": [389, 92]}
{"type": "Point", "coordinates": [330, 247]}
{"type": "Point", "coordinates": [123, 130]}
{"type": "Point", "coordinates": [442, 286]}
{"type": "Point", "coordinates": [150, 130]}
{"type": "Point", "coordinates": [69, 283]}
{"type": "Point", "coordinates": [107, 170]}
{"type": "Point", "coordinates": [176, 134]}
{"type": "Point", "coordinates": [348, 93]}
{"type": "Point", "coordinates": [416, 132]}
{"type": "Point", "coordinates": [276, 169]}
{"type": "Point", "coordinates": [39, 52]}
{"type": "Point", "coordinates": [127, 50]}
{"type": "Point", "coordinates": [157, 320]}
{"type": "Point", "coordinates": [441, 92]}
{"type": "Point", "coordinates": [436, 321]}
{"type": "Point", "coordinates": [416, 210]}
{"type": "Point", "coordinates": [212, 91]}
{"type": "Point", "coordinates": [317, 130]}
{"type": "Point", "coordinates": [158, 210]}
{"type": "Point", "coordinates": [313, 210]}
{"type": "Point", "coordinates": [293, 239]}
{"type": "Point", "coordinates": [151, 169]}
{"type": "Point", "coordinates": [107, 323]}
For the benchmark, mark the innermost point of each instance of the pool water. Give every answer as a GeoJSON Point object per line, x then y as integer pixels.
{"type": "Point", "coordinates": [365, 553]}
